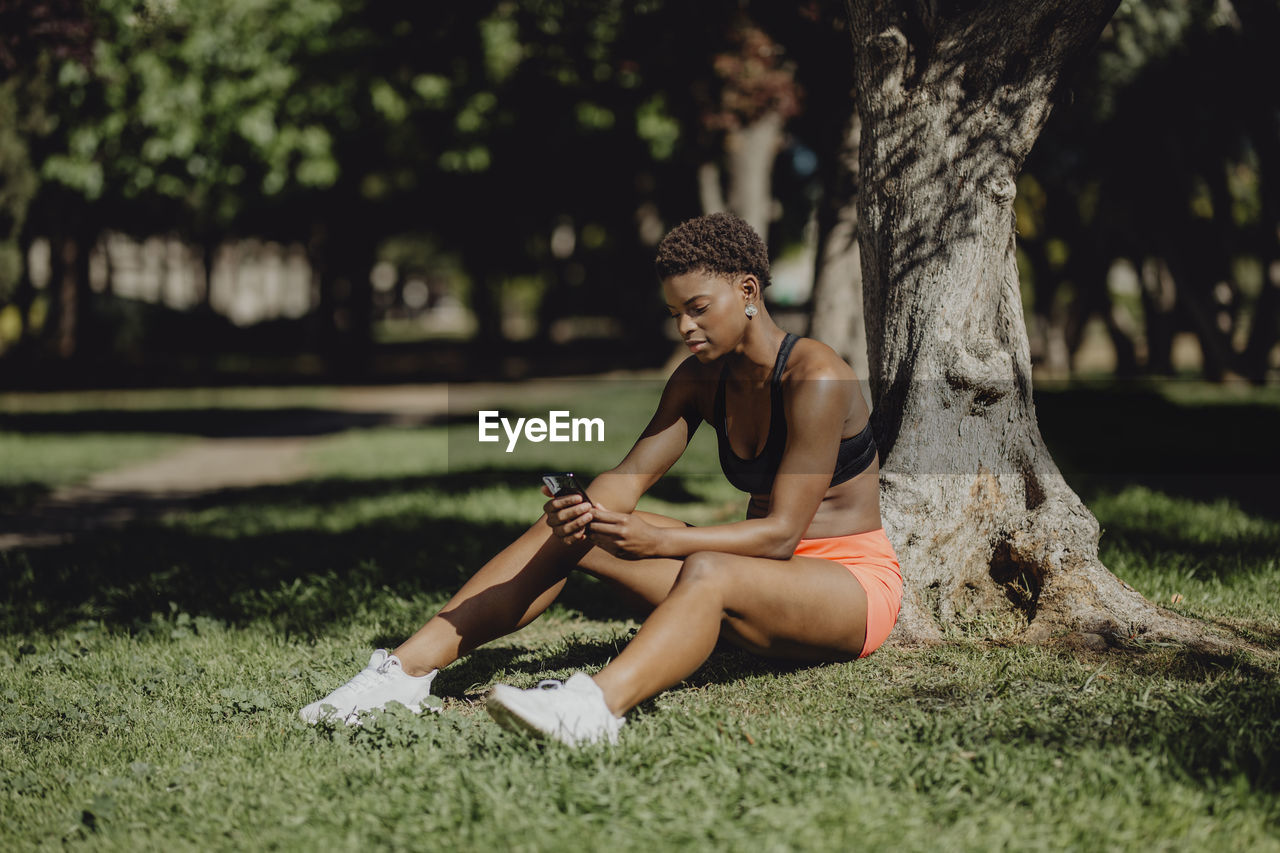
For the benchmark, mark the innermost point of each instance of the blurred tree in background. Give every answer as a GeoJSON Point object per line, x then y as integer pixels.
{"type": "Point", "coordinates": [1166, 162]}
{"type": "Point", "coordinates": [37, 39]}
{"type": "Point", "coordinates": [532, 153]}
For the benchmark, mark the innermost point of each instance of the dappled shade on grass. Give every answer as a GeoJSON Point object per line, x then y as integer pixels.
{"type": "Point", "coordinates": [1182, 438]}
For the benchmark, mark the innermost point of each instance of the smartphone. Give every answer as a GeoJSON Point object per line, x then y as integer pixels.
{"type": "Point", "coordinates": [565, 484]}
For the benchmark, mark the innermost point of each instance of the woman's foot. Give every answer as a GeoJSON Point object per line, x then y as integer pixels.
{"type": "Point", "coordinates": [382, 681]}
{"type": "Point", "coordinates": [571, 712]}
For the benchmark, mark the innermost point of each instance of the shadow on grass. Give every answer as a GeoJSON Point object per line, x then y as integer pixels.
{"type": "Point", "coordinates": [299, 580]}
{"type": "Point", "coordinates": [524, 666]}
{"type": "Point", "coordinates": [216, 422]}
{"type": "Point", "coordinates": [1222, 558]}
{"type": "Point", "coordinates": [19, 497]}
{"type": "Point", "coordinates": [303, 580]}
{"type": "Point", "coordinates": [18, 514]}
{"type": "Point", "coordinates": [1227, 730]}
{"type": "Point", "coordinates": [1125, 433]}
{"type": "Point", "coordinates": [1189, 666]}
{"type": "Point", "coordinates": [484, 666]}
{"type": "Point", "coordinates": [1214, 717]}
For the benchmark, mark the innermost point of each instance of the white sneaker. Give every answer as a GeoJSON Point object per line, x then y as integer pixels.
{"type": "Point", "coordinates": [572, 712]}
{"type": "Point", "coordinates": [382, 681]}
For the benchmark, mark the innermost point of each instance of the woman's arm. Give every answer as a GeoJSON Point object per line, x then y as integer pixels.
{"type": "Point", "coordinates": [816, 406]}
{"type": "Point", "coordinates": [658, 448]}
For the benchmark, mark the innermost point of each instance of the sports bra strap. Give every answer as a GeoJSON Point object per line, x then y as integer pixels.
{"type": "Point", "coordinates": [775, 381]}
{"type": "Point", "coordinates": [784, 352]}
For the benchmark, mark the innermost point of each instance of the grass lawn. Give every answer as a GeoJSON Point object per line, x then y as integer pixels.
{"type": "Point", "coordinates": [150, 677]}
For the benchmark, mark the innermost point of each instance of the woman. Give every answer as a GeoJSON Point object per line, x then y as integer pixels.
{"type": "Point", "coordinates": [808, 575]}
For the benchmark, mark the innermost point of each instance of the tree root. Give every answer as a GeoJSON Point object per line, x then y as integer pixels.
{"type": "Point", "coordinates": [976, 560]}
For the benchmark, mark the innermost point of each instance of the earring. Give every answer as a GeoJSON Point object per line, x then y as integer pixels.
{"type": "Point", "coordinates": [751, 310]}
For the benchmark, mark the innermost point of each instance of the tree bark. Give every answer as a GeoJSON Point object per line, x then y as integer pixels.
{"type": "Point", "coordinates": [988, 532]}
{"type": "Point", "coordinates": [836, 319]}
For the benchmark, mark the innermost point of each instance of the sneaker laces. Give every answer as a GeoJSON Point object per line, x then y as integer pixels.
{"type": "Point", "coordinates": [368, 677]}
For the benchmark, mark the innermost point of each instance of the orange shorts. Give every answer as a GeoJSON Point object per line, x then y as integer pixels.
{"type": "Point", "coordinates": [871, 560]}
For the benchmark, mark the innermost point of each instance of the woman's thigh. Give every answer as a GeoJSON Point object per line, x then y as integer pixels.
{"type": "Point", "coordinates": [800, 609]}
{"type": "Point", "coordinates": [644, 583]}
{"type": "Point", "coordinates": [797, 609]}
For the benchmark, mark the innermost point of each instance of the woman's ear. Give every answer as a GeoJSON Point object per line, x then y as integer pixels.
{"type": "Point", "coordinates": [750, 287]}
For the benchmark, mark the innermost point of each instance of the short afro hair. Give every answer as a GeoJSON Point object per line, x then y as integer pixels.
{"type": "Point", "coordinates": [717, 244]}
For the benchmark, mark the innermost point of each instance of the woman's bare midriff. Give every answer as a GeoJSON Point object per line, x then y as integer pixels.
{"type": "Point", "coordinates": [849, 508]}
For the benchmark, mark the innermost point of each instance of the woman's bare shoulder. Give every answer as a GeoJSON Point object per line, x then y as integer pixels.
{"type": "Point", "coordinates": [813, 360]}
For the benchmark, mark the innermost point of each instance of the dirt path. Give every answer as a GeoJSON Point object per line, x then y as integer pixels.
{"type": "Point", "coordinates": [185, 477]}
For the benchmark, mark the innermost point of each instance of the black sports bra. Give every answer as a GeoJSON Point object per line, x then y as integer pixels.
{"type": "Point", "coordinates": [755, 476]}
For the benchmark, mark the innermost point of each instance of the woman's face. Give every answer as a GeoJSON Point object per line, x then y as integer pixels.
{"type": "Point", "coordinates": [708, 311]}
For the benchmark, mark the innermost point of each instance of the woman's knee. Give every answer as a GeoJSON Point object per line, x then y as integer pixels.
{"type": "Point", "coordinates": [705, 568]}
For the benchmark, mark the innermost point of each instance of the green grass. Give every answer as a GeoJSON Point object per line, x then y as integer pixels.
{"type": "Point", "coordinates": [149, 680]}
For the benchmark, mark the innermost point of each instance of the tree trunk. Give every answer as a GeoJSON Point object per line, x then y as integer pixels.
{"type": "Point", "coordinates": [109, 267]}
{"type": "Point", "coordinates": [710, 193]}
{"type": "Point", "coordinates": [1088, 268]}
{"type": "Point", "coordinates": [1265, 330]}
{"type": "Point", "coordinates": [987, 530]}
{"type": "Point", "coordinates": [1159, 296]}
{"type": "Point", "coordinates": [358, 335]}
{"type": "Point", "coordinates": [1049, 345]}
{"type": "Point", "coordinates": [749, 155]}
{"type": "Point", "coordinates": [69, 293]}
{"type": "Point", "coordinates": [1194, 273]}
{"type": "Point", "coordinates": [1263, 124]}
{"type": "Point", "coordinates": [486, 304]}
{"type": "Point", "coordinates": [836, 319]}
{"type": "Point", "coordinates": [24, 295]}
{"type": "Point", "coordinates": [1123, 340]}
{"type": "Point", "coordinates": [208, 259]}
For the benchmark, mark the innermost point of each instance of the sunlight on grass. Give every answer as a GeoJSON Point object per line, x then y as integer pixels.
{"type": "Point", "coordinates": [1207, 558]}
{"type": "Point", "coordinates": [1141, 511]}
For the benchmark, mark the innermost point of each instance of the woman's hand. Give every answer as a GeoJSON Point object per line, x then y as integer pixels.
{"type": "Point", "coordinates": [624, 534]}
{"type": "Point", "coordinates": [567, 517]}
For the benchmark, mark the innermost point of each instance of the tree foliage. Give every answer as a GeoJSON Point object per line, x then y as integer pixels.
{"type": "Point", "coordinates": [551, 141]}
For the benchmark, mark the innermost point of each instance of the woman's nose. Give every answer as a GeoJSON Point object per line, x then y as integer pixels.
{"type": "Point", "coordinates": [685, 325]}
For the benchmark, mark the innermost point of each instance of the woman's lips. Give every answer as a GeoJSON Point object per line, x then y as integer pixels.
{"type": "Point", "coordinates": [696, 345]}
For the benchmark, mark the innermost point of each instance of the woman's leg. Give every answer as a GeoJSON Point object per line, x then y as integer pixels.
{"type": "Point", "coordinates": [517, 585]}
{"type": "Point", "coordinates": [801, 609]}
